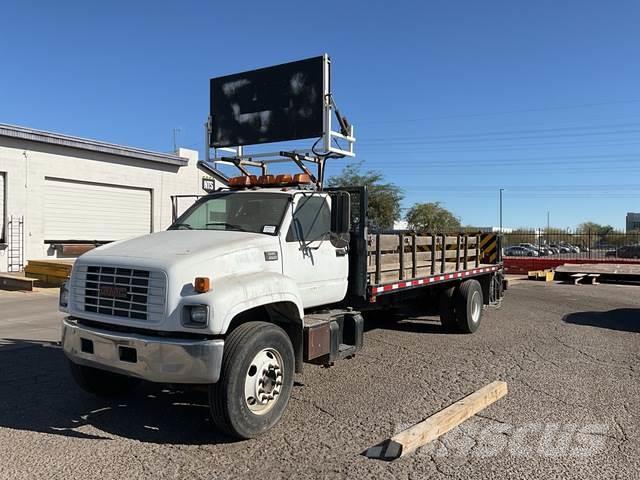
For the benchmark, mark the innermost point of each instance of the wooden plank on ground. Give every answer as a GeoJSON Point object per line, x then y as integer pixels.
{"type": "Point", "coordinates": [438, 424]}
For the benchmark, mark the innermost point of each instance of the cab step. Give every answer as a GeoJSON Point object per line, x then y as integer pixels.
{"type": "Point", "coordinates": [332, 335]}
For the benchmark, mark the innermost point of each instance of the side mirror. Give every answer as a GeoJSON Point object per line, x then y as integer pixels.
{"type": "Point", "coordinates": [340, 212]}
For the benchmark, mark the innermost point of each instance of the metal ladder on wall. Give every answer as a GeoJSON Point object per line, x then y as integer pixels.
{"type": "Point", "coordinates": [16, 244]}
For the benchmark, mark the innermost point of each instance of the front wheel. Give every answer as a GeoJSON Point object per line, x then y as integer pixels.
{"type": "Point", "coordinates": [469, 306]}
{"type": "Point", "coordinates": [256, 380]}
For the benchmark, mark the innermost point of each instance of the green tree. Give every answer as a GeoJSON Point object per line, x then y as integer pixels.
{"type": "Point", "coordinates": [384, 197]}
{"type": "Point", "coordinates": [600, 234]}
{"type": "Point", "coordinates": [594, 227]}
{"type": "Point", "coordinates": [431, 217]}
{"type": "Point", "coordinates": [520, 235]}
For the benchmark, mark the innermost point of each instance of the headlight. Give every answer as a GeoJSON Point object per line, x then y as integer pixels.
{"type": "Point", "coordinates": [63, 300]}
{"type": "Point", "coordinates": [195, 316]}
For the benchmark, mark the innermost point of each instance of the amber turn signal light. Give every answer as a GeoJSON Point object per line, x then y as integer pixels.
{"type": "Point", "coordinates": [202, 284]}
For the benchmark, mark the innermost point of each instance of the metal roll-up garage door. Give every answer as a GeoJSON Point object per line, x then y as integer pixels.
{"type": "Point", "coordinates": [90, 211]}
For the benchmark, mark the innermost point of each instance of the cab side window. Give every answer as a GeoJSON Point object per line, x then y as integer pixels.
{"type": "Point", "coordinates": [311, 220]}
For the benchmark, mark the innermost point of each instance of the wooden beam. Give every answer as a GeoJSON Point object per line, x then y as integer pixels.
{"type": "Point", "coordinates": [438, 424]}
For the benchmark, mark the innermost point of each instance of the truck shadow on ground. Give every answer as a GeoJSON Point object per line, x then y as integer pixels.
{"type": "Point", "coordinates": [38, 394]}
{"type": "Point", "coordinates": [408, 319]}
{"type": "Point", "coordinates": [623, 319]}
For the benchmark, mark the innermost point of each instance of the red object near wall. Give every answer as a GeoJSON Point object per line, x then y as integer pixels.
{"type": "Point", "coordinates": [526, 264]}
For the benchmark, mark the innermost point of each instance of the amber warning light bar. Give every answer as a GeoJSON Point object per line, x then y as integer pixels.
{"type": "Point", "coordinates": [282, 180]}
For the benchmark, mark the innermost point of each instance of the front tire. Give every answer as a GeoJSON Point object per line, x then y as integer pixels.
{"type": "Point", "coordinates": [255, 382]}
{"type": "Point", "coordinates": [469, 306]}
{"type": "Point", "coordinates": [100, 382]}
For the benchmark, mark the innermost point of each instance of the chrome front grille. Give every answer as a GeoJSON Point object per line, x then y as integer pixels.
{"type": "Point", "coordinates": [123, 292]}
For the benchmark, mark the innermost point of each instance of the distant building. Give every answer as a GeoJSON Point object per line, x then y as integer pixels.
{"type": "Point", "coordinates": [633, 221]}
{"type": "Point", "coordinates": [400, 225]}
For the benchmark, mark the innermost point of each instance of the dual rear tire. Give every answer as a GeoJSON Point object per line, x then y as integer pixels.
{"type": "Point", "coordinates": [461, 307]}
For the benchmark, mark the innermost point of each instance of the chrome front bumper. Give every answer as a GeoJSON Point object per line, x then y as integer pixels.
{"type": "Point", "coordinates": [156, 359]}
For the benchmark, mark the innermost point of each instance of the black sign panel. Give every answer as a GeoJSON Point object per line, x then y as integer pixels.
{"type": "Point", "coordinates": [270, 104]}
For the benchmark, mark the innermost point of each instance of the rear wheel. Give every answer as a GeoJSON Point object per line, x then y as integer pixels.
{"type": "Point", "coordinates": [100, 382]}
{"type": "Point", "coordinates": [255, 380]}
{"type": "Point", "coordinates": [469, 304]}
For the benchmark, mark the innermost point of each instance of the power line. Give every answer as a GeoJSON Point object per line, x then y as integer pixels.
{"type": "Point", "coordinates": [497, 148]}
{"type": "Point", "coordinates": [510, 132]}
{"type": "Point", "coordinates": [391, 141]}
{"type": "Point", "coordinates": [508, 112]}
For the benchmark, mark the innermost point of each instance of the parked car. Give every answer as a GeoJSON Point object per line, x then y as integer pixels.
{"type": "Point", "coordinates": [561, 248]}
{"type": "Point", "coordinates": [545, 250]}
{"type": "Point", "coordinates": [628, 251]}
{"type": "Point", "coordinates": [541, 249]}
{"type": "Point", "coordinates": [572, 248]}
{"type": "Point", "coordinates": [518, 251]}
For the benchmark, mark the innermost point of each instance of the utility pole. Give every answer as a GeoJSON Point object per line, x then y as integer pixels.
{"type": "Point", "coordinates": [501, 190]}
{"type": "Point", "coordinates": [175, 134]}
{"type": "Point", "coordinates": [548, 221]}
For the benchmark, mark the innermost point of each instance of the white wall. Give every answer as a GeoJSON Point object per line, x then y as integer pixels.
{"type": "Point", "coordinates": [27, 164]}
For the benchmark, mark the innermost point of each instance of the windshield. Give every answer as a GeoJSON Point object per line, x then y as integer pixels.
{"type": "Point", "coordinates": [241, 212]}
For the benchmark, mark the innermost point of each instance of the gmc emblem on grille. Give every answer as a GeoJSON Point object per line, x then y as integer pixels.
{"type": "Point", "coordinates": [113, 291]}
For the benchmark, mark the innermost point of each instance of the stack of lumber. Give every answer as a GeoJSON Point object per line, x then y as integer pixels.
{"type": "Point", "coordinates": [50, 273]}
{"type": "Point", "coordinates": [543, 275]}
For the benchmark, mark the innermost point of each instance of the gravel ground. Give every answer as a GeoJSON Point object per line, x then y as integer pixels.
{"type": "Point", "coordinates": [568, 353]}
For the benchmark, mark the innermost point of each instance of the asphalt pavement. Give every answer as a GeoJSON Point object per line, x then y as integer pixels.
{"type": "Point", "coordinates": [569, 354]}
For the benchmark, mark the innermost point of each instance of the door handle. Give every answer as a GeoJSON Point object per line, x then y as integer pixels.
{"type": "Point", "coordinates": [341, 252]}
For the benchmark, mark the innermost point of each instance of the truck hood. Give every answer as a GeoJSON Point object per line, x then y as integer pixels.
{"type": "Point", "coordinates": [170, 248]}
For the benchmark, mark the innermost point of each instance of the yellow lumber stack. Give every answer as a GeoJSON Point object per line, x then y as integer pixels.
{"type": "Point", "coordinates": [543, 275]}
{"type": "Point", "coordinates": [51, 273]}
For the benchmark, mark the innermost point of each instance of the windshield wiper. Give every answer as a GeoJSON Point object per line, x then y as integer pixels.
{"type": "Point", "coordinates": [177, 226]}
{"type": "Point", "coordinates": [230, 225]}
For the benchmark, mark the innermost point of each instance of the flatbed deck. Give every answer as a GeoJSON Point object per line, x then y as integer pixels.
{"type": "Point", "coordinates": [404, 259]}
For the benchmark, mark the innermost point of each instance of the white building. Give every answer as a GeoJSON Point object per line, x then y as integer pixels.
{"type": "Point", "coordinates": [57, 191]}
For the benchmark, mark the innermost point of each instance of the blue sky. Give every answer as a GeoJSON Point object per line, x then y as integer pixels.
{"type": "Point", "coordinates": [451, 100]}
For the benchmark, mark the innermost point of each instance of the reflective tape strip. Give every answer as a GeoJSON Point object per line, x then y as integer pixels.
{"type": "Point", "coordinates": [432, 279]}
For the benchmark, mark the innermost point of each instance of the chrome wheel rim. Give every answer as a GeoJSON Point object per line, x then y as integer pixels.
{"type": "Point", "coordinates": [263, 381]}
{"type": "Point", "coordinates": [475, 307]}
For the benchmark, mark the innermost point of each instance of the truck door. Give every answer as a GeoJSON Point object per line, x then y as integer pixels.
{"type": "Point", "coordinates": [319, 268]}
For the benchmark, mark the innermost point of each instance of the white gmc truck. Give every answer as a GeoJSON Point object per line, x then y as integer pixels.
{"type": "Point", "coordinates": [250, 283]}
{"type": "Point", "coordinates": [273, 271]}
